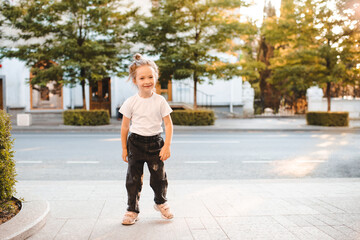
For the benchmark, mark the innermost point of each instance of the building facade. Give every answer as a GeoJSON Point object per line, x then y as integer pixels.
{"type": "Point", "coordinates": [17, 94]}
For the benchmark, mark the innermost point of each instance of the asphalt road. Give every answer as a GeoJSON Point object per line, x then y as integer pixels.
{"type": "Point", "coordinates": [245, 155]}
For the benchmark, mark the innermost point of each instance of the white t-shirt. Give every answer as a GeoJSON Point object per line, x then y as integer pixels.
{"type": "Point", "coordinates": [146, 114]}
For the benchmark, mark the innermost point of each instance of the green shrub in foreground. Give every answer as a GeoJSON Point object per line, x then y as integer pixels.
{"type": "Point", "coordinates": [7, 163]}
{"type": "Point", "coordinates": [86, 118]}
{"type": "Point", "coordinates": [339, 119]}
{"type": "Point", "coordinates": [201, 117]}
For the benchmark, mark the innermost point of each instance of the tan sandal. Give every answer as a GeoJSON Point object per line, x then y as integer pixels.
{"type": "Point", "coordinates": [164, 209]}
{"type": "Point", "coordinates": [130, 218]}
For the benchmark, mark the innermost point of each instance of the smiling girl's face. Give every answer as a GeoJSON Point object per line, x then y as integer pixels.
{"type": "Point", "coordinates": [145, 81]}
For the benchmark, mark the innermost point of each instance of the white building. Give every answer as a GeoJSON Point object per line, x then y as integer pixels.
{"type": "Point", "coordinates": [17, 94]}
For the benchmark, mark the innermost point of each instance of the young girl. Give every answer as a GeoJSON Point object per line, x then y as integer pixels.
{"type": "Point", "coordinates": [146, 110]}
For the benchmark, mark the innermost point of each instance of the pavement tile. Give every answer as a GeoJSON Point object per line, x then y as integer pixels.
{"type": "Point", "coordinates": [296, 206]}
{"type": "Point", "coordinates": [105, 227]}
{"type": "Point", "coordinates": [328, 220]}
{"type": "Point", "coordinates": [200, 234]}
{"type": "Point", "coordinates": [213, 207]}
{"type": "Point", "coordinates": [252, 205]}
{"type": "Point", "coordinates": [316, 233]}
{"type": "Point", "coordinates": [76, 209]}
{"type": "Point", "coordinates": [228, 206]}
{"type": "Point", "coordinates": [301, 233]}
{"type": "Point", "coordinates": [209, 223]}
{"type": "Point", "coordinates": [330, 207]}
{"type": "Point", "coordinates": [348, 205]}
{"type": "Point", "coordinates": [180, 228]}
{"type": "Point", "coordinates": [260, 231]}
{"type": "Point", "coordinates": [228, 222]}
{"type": "Point", "coordinates": [113, 208]}
{"type": "Point", "coordinates": [348, 232]}
{"type": "Point", "coordinates": [217, 234]}
{"type": "Point", "coordinates": [323, 209]}
{"type": "Point", "coordinates": [245, 209]}
{"type": "Point", "coordinates": [284, 221]}
{"type": "Point", "coordinates": [350, 220]}
{"type": "Point", "coordinates": [105, 192]}
{"type": "Point", "coordinates": [51, 228]}
{"type": "Point", "coordinates": [189, 207]}
{"type": "Point", "coordinates": [313, 220]}
{"type": "Point", "coordinates": [194, 223]}
{"type": "Point", "coordinates": [76, 229]}
{"type": "Point", "coordinates": [251, 227]}
{"type": "Point", "coordinates": [147, 228]}
{"type": "Point", "coordinates": [300, 220]}
{"type": "Point", "coordinates": [333, 232]}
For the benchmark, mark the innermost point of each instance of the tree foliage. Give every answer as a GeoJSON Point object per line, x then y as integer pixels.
{"type": "Point", "coordinates": [314, 46]}
{"type": "Point", "coordinates": [189, 36]}
{"type": "Point", "coordinates": [68, 41]}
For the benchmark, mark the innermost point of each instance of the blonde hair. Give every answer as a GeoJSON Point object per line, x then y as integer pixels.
{"type": "Point", "coordinates": [140, 61]}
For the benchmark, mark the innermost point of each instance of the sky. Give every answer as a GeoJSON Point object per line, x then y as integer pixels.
{"type": "Point", "coordinates": [256, 10]}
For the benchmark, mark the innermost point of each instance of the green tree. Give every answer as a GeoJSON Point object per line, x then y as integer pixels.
{"type": "Point", "coordinates": [68, 41]}
{"type": "Point", "coordinates": [250, 66]}
{"type": "Point", "coordinates": [265, 52]}
{"type": "Point", "coordinates": [293, 36]}
{"type": "Point", "coordinates": [350, 11]}
{"type": "Point", "coordinates": [188, 37]}
{"type": "Point", "coordinates": [257, 54]}
{"type": "Point", "coordinates": [333, 47]}
{"type": "Point", "coordinates": [318, 48]}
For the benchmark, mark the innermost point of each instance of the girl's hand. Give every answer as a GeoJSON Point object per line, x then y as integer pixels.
{"type": "Point", "coordinates": [124, 155]}
{"type": "Point", "coordinates": [164, 153]}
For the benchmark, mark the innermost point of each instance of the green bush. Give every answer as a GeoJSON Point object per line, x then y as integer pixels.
{"type": "Point", "coordinates": [86, 118]}
{"type": "Point", "coordinates": [199, 117]}
{"type": "Point", "coordinates": [328, 118]}
{"type": "Point", "coordinates": [7, 163]}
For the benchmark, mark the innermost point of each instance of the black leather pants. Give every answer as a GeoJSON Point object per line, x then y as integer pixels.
{"type": "Point", "coordinates": [143, 149]}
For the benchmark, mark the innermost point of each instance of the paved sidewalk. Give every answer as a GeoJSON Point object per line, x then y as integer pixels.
{"type": "Point", "coordinates": [242, 209]}
{"type": "Point", "coordinates": [221, 124]}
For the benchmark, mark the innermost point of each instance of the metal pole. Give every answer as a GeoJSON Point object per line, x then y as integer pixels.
{"type": "Point", "coordinates": [231, 96]}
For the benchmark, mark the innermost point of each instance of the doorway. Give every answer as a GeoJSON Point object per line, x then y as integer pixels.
{"type": "Point", "coordinates": [49, 96]}
{"type": "Point", "coordinates": [46, 97]}
{"type": "Point", "coordinates": [100, 95]}
{"type": "Point", "coordinates": [164, 89]}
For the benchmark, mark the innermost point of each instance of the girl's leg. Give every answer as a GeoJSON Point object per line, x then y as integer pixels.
{"type": "Point", "coordinates": [134, 181]}
{"type": "Point", "coordinates": [134, 177]}
{"type": "Point", "coordinates": [158, 181]}
{"type": "Point", "coordinates": [158, 178]}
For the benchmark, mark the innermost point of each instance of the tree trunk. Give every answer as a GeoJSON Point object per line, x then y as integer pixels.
{"type": "Point", "coordinates": [82, 75]}
{"type": "Point", "coordinates": [270, 97]}
{"type": "Point", "coordinates": [195, 90]}
{"type": "Point", "coordinates": [83, 93]}
{"type": "Point", "coordinates": [328, 95]}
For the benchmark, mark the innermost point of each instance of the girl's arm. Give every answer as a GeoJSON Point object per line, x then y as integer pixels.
{"type": "Point", "coordinates": [165, 150]}
{"type": "Point", "coordinates": [125, 125]}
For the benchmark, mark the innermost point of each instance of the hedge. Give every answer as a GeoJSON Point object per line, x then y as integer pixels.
{"type": "Point", "coordinates": [7, 163]}
{"type": "Point", "coordinates": [86, 118]}
{"type": "Point", "coordinates": [328, 118]}
{"type": "Point", "coordinates": [201, 117]}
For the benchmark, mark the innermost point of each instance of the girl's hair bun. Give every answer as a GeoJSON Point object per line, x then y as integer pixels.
{"type": "Point", "coordinates": [137, 57]}
{"type": "Point", "coordinates": [139, 61]}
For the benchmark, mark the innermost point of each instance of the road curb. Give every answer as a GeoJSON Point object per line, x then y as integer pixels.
{"type": "Point", "coordinates": [27, 222]}
{"type": "Point", "coordinates": [342, 130]}
{"type": "Point", "coordinates": [179, 129]}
